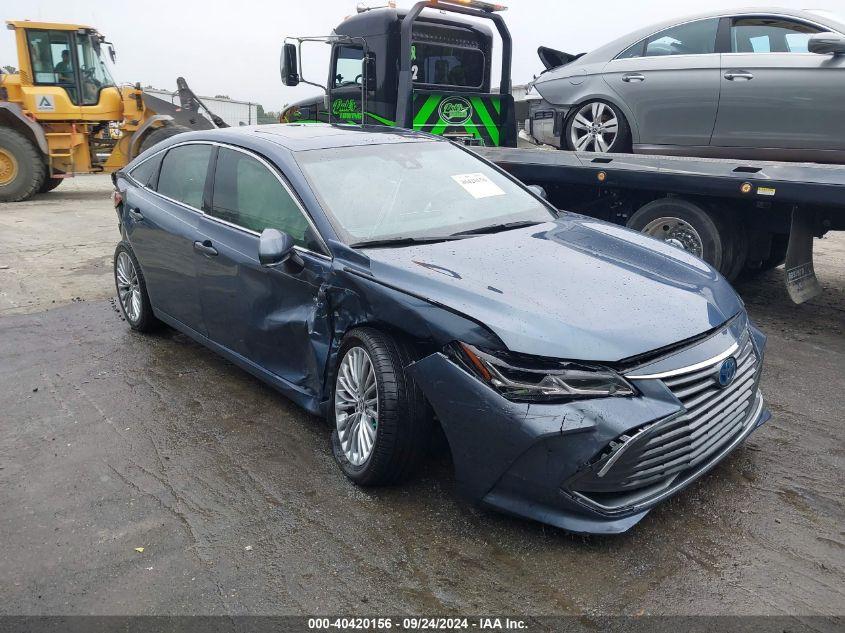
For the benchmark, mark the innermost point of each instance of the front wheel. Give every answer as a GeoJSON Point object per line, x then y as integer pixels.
{"type": "Point", "coordinates": [381, 425]}
{"type": "Point", "coordinates": [597, 126]}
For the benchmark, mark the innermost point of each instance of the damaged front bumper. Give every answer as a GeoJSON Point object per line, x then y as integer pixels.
{"type": "Point", "coordinates": [549, 462]}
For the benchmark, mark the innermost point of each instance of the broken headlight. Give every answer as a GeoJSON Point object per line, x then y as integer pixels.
{"type": "Point", "coordinates": [539, 379]}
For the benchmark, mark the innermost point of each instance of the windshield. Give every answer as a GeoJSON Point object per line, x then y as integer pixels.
{"type": "Point", "coordinates": [92, 69]}
{"type": "Point", "coordinates": [420, 190]}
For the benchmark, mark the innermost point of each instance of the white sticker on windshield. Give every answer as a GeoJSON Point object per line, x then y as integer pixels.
{"type": "Point", "coordinates": [478, 185]}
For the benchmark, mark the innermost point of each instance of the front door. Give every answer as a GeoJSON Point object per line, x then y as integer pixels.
{"type": "Point", "coordinates": [670, 84]}
{"type": "Point", "coordinates": [775, 94]}
{"type": "Point", "coordinates": [265, 315]}
{"type": "Point", "coordinates": [162, 227]}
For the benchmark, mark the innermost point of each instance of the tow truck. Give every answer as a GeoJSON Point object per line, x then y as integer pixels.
{"type": "Point", "coordinates": [743, 217]}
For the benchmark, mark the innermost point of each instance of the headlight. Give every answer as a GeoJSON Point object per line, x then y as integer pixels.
{"type": "Point", "coordinates": [540, 379]}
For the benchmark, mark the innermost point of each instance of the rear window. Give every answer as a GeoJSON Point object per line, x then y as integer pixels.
{"type": "Point", "coordinates": [146, 173]}
{"type": "Point", "coordinates": [445, 65]}
{"type": "Point", "coordinates": [183, 172]}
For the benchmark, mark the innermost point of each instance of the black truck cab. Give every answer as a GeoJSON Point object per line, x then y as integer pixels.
{"type": "Point", "coordinates": [431, 71]}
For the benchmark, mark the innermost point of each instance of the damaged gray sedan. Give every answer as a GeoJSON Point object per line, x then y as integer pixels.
{"type": "Point", "coordinates": [392, 281]}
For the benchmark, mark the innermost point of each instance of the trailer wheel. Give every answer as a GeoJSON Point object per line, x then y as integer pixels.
{"type": "Point", "coordinates": [22, 168]}
{"type": "Point", "coordinates": [160, 134]}
{"type": "Point", "coordinates": [686, 225]}
{"type": "Point", "coordinates": [776, 257]}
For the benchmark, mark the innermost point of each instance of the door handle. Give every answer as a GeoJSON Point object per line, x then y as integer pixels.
{"type": "Point", "coordinates": [135, 214]}
{"type": "Point", "coordinates": [738, 74]}
{"type": "Point", "coordinates": [628, 77]}
{"type": "Point", "coordinates": [205, 248]}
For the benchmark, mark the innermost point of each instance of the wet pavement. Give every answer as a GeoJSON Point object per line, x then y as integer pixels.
{"type": "Point", "coordinates": [111, 441]}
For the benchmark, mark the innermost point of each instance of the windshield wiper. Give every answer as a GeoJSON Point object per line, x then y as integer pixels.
{"type": "Point", "coordinates": [404, 241]}
{"type": "Point", "coordinates": [496, 228]}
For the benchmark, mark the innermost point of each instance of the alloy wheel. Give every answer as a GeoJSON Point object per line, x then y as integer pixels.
{"type": "Point", "coordinates": [356, 405]}
{"type": "Point", "coordinates": [128, 288]}
{"type": "Point", "coordinates": [594, 128]}
{"type": "Point", "coordinates": [676, 232]}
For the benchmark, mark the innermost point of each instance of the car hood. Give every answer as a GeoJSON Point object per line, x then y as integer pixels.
{"type": "Point", "coordinates": [575, 288]}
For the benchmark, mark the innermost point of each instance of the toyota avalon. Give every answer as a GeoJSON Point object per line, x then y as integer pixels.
{"type": "Point", "coordinates": [392, 281]}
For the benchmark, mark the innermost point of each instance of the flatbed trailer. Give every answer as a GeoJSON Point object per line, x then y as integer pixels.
{"type": "Point", "coordinates": [743, 216]}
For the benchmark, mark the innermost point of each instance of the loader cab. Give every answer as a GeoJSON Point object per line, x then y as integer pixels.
{"type": "Point", "coordinates": [64, 75]}
{"type": "Point", "coordinates": [432, 72]}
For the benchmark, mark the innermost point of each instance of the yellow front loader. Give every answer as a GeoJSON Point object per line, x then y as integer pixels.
{"type": "Point", "coordinates": [62, 114]}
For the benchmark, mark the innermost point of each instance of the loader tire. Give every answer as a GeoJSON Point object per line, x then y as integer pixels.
{"type": "Point", "coordinates": [22, 168]}
{"type": "Point", "coordinates": [160, 134]}
{"type": "Point", "coordinates": [50, 184]}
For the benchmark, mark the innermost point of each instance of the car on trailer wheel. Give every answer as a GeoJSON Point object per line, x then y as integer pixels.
{"type": "Point", "coordinates": [580, 371]}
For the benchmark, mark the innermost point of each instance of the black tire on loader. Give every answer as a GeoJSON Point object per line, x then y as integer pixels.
{"type": "Point", "coordinates": [22, 168]}
{"type": "Point", "coordinates": [50, 184]}
{"type": "Point", "coordinates": [160, 134]}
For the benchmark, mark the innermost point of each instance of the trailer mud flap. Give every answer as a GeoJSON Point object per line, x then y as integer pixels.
{"type": "Point", "coordinates": [801, 282]}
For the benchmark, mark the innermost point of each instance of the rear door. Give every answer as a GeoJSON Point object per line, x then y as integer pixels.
{"type": "Point", "coordinates": [775, 94]}
{"type": "Point", "coordinates": [162, 218]}
{"type": "Point", "coordinates": [670, 82]}
{"type": "Point", "coordinates": [264, 314]}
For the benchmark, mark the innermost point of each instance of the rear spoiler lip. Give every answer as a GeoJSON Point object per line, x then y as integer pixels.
{"type": "Point", "coordinates": [548, 56]}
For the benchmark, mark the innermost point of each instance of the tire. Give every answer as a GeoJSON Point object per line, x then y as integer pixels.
{"type": "Point", "coordinates": [22, 168]}
{"type": "Point", "coordinates": [50, 184]}
{"type": "Point", "coordinates": [739, 247]}
{"type": "Point", "coordinates": [776, 257]}
{"type": "Point", "coordinates": [160, 134]}
{"type": "Point", "coordinates": [709, 235]}
{"type": "Point", "coordinates": [140, 317]}
{"type": "Point", "coordinates": [586, 114]}
{"type": "Point", "coordinates": [403, 427]}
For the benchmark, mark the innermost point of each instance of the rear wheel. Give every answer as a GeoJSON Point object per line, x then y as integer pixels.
{"type": "Point", "coordinates": [22, 168]}
{"type": "Point", "coordinates": [597, 126]}
{"type": "Point", "coordinates": [381, 423]}
{"type": "Point", "coordinates": [132, 290]}
{"type": "Point", "coordinates": [160, 134]}
{"type": "Point", "coordinates": [687, 226]}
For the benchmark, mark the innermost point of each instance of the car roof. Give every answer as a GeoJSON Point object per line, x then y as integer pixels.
{"type": "Point", "coordinates": [298, 137]}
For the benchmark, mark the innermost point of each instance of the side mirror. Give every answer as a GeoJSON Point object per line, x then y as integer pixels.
{"type": "Point", "coordinates": [289, 68]}
{"type": "Point", "coordinates": [368, 69]}
{"type": "Point", "coordinates": [538, 190]}
{"type": "Point", "coordinates": [112, 54]}
{"type": "Point", "coordinates": [274, 247]}
{"type": "Point", "coordinates": [826, 44]}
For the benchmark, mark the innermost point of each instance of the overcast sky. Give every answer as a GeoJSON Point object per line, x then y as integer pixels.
{"type": "Point", "coordinates": [233, 48]}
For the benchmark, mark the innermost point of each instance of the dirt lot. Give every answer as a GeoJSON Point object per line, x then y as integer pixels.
{"type": "Point", "coordinates": [112, 441]}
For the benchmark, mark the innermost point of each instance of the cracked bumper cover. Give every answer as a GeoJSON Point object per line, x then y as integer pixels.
{"type": "Point", "coordinates": [515, 456]}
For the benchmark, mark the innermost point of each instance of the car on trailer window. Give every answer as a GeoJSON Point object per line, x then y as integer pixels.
{"type": "Point", "coordinates": [392, 281]}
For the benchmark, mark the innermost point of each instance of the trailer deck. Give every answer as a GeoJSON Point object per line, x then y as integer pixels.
{"type": "Point", "coordinates": [801, 200]}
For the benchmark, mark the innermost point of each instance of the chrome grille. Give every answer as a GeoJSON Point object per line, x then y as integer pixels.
{"type": "Point", "coordinates": [649, 459]}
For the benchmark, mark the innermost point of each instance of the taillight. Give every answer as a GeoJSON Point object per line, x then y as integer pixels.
{"type": "Point", "coordinates": [117, 198]}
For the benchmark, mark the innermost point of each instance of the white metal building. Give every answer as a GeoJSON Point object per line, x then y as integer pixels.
{"type": "Point", "coordinates": [233, 112]}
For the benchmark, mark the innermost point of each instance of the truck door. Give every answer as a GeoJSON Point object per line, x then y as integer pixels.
{"type": "Point", "coordinates": [55, 75]}
{"type": "Point", "coordinates": [775, 94]}
{"type": "Point", "coordinates": [345, 83]}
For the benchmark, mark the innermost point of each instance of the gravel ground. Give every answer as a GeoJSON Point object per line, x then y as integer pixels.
{"type": "Point", "coordinates": [112, 441]}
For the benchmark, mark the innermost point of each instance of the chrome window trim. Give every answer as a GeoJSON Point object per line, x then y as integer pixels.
{"type": "Point", "coordinates": [268, 165]}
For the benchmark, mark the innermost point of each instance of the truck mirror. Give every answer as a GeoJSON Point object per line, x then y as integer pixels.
{"type": "Point", "coordinates": [289, 68]}
{"type": "Point", "coordinates": [369, 71]}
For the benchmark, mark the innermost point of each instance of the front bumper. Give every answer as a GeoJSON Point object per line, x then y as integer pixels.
{"type": "Point", "coordinates": [527, 459]}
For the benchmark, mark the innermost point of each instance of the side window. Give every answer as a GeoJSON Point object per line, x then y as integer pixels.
{"type": "Point", "coordinates": [247, 194]}
{"type": "Point", "coordinates": [348, 66]}
{"type": "Point", "coordinates": [183, 171]}
{"type": "Point", "coordinates": [146, 173]}
{"type": "Point", "coordinates": [693, 38]}
{"type": "Point", "coordinates": [52, 62]}
{"type": "Point", "coordinates": [770, 35]}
